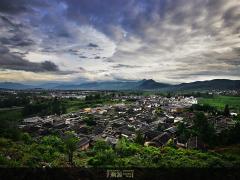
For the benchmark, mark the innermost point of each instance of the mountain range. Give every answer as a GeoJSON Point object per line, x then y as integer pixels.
{"type": "Point", "coordinates": [145, 84]}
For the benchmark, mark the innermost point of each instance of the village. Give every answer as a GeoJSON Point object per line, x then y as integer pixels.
{"type": "Point", "coordinates": [155, 117]}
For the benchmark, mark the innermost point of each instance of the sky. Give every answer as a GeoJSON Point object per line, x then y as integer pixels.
{"type": "Point", "coordinates": [170, 41]}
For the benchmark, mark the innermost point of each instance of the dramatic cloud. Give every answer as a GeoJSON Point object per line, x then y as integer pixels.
{"type": "Point", "coordinates": [9, 60]}
{"type": "Point", "coordinates": [166, 40]}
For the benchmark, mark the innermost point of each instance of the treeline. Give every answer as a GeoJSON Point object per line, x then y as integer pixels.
{"type": "Point", "coordinates": [204, 108]}
{"type": "Point", "coordinates": [11, 100]}
{"type": "Point", "coordinates": [9, 121]}
{"type": "Point", "coordinates": [93, 97]}
{"type": "Point", "coordinates": [210, 109]}
{"type": "Point", "coordinates": [47, 107]}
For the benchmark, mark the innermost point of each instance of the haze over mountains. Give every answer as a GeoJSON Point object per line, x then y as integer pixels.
{"type": "Point", "coordinates": [220, 84]}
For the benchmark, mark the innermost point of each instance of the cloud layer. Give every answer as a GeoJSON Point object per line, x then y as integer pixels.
{"type": "Point", "coordinates": [166, 40]}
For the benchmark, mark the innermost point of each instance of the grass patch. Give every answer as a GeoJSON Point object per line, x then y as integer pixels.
{"type": "Point", "coordinates": [220, 101]}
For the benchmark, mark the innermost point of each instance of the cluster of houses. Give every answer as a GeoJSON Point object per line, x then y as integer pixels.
{"type": "Point", "coordinates": [69, 94]}
{"type": "Point", "coordinates": [225, 92]}
{"type": "Point", "coordinates": [111, 122]}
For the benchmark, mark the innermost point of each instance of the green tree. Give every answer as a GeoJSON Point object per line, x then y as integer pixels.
{"type": "Point", "coordinates": [27, 139]}
{"type": "Point", "coordinates": [159, 111]}
{"type": "Point", "coordinates": [97, 96]}
{"type": "Point", "coordinates": [204, 129]}
{"type": "Point", "coordinates": [125, 148]}
{"type": "Point", "coordinates": [63, 109]}
{"type": "Point", "coordinates": [100, 145]}
{"type": "Point", "coordinates": [103, 158]}
{"type": "Point", "coordinates": [226, 110]}
{"type": "Point", "coordinates": [90, 121]}
{"type": "Point", "coordinates": [170, 143]}
{"type": "Point", "coordinates": [70, 141]}
{"type": "Point", "coordinates": [183, 133]}
{"type": "Point", "coordinates": [168, 95]}
{"type": "Point", "coordinates": [56, 106]}
{"type": "Point", "coordinates": [53, 141]}
{"type": "Point", "coordinates": [9, 127]}
{"type": "Point", "coordinates": [139, 138]}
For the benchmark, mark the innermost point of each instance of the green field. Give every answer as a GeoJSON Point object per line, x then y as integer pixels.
{"type": "Point", "coordinates": [220, 101]}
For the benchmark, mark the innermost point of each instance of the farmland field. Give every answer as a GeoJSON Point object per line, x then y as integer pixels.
{"type": "Point", "coordinates": [220, 102]}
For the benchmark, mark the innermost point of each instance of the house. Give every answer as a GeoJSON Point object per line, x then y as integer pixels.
{"type": "Point", "coordinates": [150, 134]}
{"type": "Point", "coordinates": [32, 120]}
{"type": "Point", "coordinates": [83, 144]}
{"type": "Point", "coordinates": [177, 109]}
{"type": "Point", "coordinates": [221, 123]}
{"type": "Point", "coordinates": [181, 145]}
{"type": "Point", "coordinates": [94, 139]}
{"type": "Point", "coordinates": [98, 129]}
{"type": "Point", "coordinates": [195, 143]}
{"type": "Point", "coordinates": [149, 143]}
{"type": "Point", "coordinates": [233, 114]}
{"type": "Point", "coordinates": [59, 125]}
{"type": "Point", "coordinates": [87, 110]}
{"type": "Point", "coordinates": [126, 133]}
{"type": "Point", "coordinates": [31, 128]}
{"type": "Point", "coordinates": [111, 140]}
{"type": "Point", "coordinates": [83, 130]}
{"type": "Point", "coordinates": [172, 130]}
{"type": "Point", "coordinates": [161, 139]}
{"type": "Point", "coordinates": [44, 132]}
{"type": "Point", "coordinates": [169, 119]}
{"type": "Point", "coordinates": [178, 119]}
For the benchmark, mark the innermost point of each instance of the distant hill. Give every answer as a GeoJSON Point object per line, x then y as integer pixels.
{"type": "Point", "coordinates": [219, 84]}
{"type": "Point", "coordinates": [145, 84]}
{"type": "Point", "coordinates": [115, 85]}
{"type": "Point", "coordinates": [11, 85]}
{"type": "Point", "coordinates": [118, 85]}
{"type": "Point", "coordinates": [151, 84]}
{"type": "Point", "coordinates": [49, 85]}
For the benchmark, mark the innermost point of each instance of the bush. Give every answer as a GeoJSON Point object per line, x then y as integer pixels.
{"type": "Point", "coordinates": [53, 141]}
{"type": "Point", "coordinates": [124, 148]}
{"type": "Point", "coordinates": [104, 158]}
{"type": "Point", "coordinates": [100, 145]}
{"type": "Point", "coordinates": [26, 138]}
